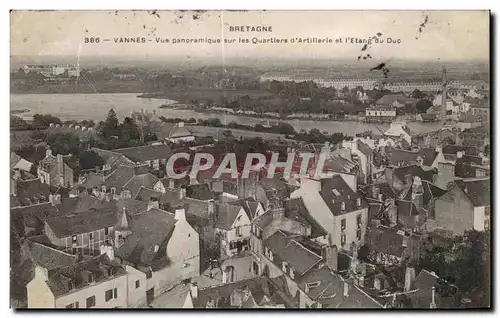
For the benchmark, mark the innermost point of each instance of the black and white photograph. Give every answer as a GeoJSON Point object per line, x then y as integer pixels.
{"type": "Point", "coordinates": [250, 159]}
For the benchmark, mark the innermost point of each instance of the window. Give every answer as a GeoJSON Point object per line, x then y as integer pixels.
{"type": "Point", "coordinates": [238, 231]}
{"type": "Point", "coordinates": [73, 238]}
{"type": "Point", "coordinates": [284, 267]}
{"type": "Point", "coordinates": [137, 283]}
{"type": "Point", "coordinates": [266, 250]}
{"type": "Point", "coordinates": [358, 202]}
{"type": "Point", "coordinates": [108, 295]}
{"type": "Point", "coordinates": [486, 224]}
{"type": "Point", "coordinates": [73, 250]}
{"type": "Point", "coordinates": [271, 256]}
{"type": "Point", "coordinates": [292, 273]}
{"type": "Point", "coordinates": [113, 190]}
{"type": "Point", "coordinates": [343, 224]}
{"type": "Point", "coordinates": [342, 239]}
{"type": "Point", "coordinates": [358, 234]}
{"type": "Point", "coordinates": [91, 302]}
{"type": "Point", "coordinates": [91, 235]}
{"type": "Point", "coordinates": [115, 292]}
{"type": "Point", "coordinates": [358, 221]}
{"type": "Point", "coordinates": [91, 277]}
{"type": "Point", "coordinates": [74, 305]}
{"type": "Point", "coordinates": [487, 211]}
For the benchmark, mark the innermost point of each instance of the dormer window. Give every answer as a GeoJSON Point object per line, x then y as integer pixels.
{"type": "Point", "coordinates": [91, 278]}
{"type": "Point", "coordinates": [71, 285]}
{"type": "Point", "coordinates": [358, 202]}
{"type": "Point", "coordinates": [284, 266]}
{"type": "Point", "coordinates": [271, 256]}
{"type": "Point", "coordinates": [342, 206]}
{"type": "Point", "coordinates": [73, 239]}
{"type": "Point", "coordinates": [113, 190]}
{"type": "Point", "coordinates": [103, 188]}
{"type": "Point", "coordinates": [292, 273]}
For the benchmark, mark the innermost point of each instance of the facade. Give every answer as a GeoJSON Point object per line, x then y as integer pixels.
{"type": "Point", "coordinates": [380, 114]}
{"type": "Point", "coordinates": [232, 226]}
{"type": "Point", "coordinates": [52, 70]}
{"type": "Point", "coordinates": [57, 170]}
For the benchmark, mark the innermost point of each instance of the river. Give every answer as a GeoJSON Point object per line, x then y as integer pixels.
{"type": "Point", "coordinates": [96, 107]}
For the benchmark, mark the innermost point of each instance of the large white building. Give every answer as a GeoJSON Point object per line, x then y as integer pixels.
{"type": "Point", "coordinates": [52, 70]}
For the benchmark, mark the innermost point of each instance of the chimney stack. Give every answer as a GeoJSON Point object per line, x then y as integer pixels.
{"type": "Point", "coordinates": [409, 277]}
{"type": "Point", "coordinates": [433, 301]}
{"type": "Point", "coordinates": [460, 154]}
{"type": "Point", "coordinates": [330, 256]}
{"type": "Point", "coordinates": [194, 291]}
{"type": "Point", "coordinates": [108, 250]}
{"type": "Point", "coordinates": [182, 193]}
{"type": "Point", "coordinates": [392, 213]}
{"type": "Point", "coordinates": [42, 273]}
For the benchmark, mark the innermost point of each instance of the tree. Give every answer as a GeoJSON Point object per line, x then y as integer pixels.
{"type": "Point", "coordinates": [423, 105]}
{"type": "Point", "coordinates": [17, 123]}
{"type": "Point", "coordinates": [64, 144]}
{"type": "Point", "coordinates": [418, 94]}
{"type": "Point", "coordinates": [110, 127]}
{"type": "Point", "coordinates": [44, 121]}
{"type": "Point", "coordinates": [90, 160]}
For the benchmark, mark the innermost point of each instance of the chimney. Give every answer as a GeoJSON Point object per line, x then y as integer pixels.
{"type": "Point", "coordinates": [409, 277]}
{"type": "Point", "coordinates": [42, 273]}
{"type": "Point", "coordinates": [211, 207]}
{"type": "Point", "coordinates": [380, 197]}
{"type": "Point", "coordinates": [48, 153]}
{"type": "Point", "coordinates": [460, 154]}
{"type": "Point", "coordinates": [182, 193]}
{"type": "Point", "coordinates": [180, 212]}
{"type": "Point", "coordinates": [278, 213]}
{"type": "Point", "coordinates": [392, 213]}
{"type": "Point", "coordinates": [194, 291]}
{"type": "Point", "coordinates": [439, 149]}
{"type": "Point", "coordinates": [417, 194]}
{"type": "Point", "coordinates": [330, 256]}
{"type": "Point", "coordinates": [433, 300]}
{"type": "Point", "coordinates": [108, 250]}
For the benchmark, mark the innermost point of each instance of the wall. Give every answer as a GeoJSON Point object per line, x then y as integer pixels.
{"type": "Point", "coordinates": [159, 187]}
{"type": "Point", "coordinates": [136, 297]}
{"type": "Point", "coordinates": [479, 218]}
{"type": "Point", "coordinates": [315, 204]}
{"type": "Point", "coordinates": [39, 294]}
{"type": "Point", "coordinates": [243, 224]}
{"type": "Point", "coordinates": [350, 229]}
{"type": "Point", "coordinates": [82, 240]}
{"type": "Point", "coordinates": [98, 290]}
{"type": "Point", "coordinates": [454, 212]}
{"type": "Point", "coordinates": [68, 176]}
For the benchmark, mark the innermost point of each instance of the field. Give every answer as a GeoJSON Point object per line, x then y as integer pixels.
{"type": "Point", "coordinates": [186, 95]}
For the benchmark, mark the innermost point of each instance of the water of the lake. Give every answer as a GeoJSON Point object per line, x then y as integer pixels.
{"type": "Point", "coordinates": [96, 107]}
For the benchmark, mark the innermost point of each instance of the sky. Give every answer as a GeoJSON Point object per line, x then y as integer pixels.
{"type": "Point", "coordinates": [424, 35]}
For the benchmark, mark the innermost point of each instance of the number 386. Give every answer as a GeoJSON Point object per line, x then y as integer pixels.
{"type": "Point", "coordinates": [93, 40]}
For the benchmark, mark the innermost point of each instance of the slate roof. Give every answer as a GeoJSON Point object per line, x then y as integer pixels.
{"type": "Point", "coordinates": [329, 283]}
{"type": "Point", "coordinates": [110, 157]}
{"type": "Point", "coordinates": [263, 220]}
{"type": "Point", "coordinates": [145, 195]}
{"type": "Point", "coordinates": [29, 191]}
{"type": "Point", "coordinates": [478, 191]}
{"type": "Point", "coordinates": [146, 180]}
{"type": "Point", "coordinates": [220, 296]}
{"type": "Point", "coordinates": [453, 149]}
{"type": "Point", "coordinates": [59, 278]}
{"type": "Point", "coordinates": [296, 210]}
{"type": "Point", "coordinates": [289, 250]}
{"type": "Point", "coordinates": [151, 228]}
{"type": "Point", "coordinates": [249, 205]}
{"type": "Point", "coordinates": [146, 153]}
{"type": "Point", "coordinates": [335, 190]}
{"type": "Point", "coordinates": [226, 215]}
{"type": "Point", "coordinates": [85, 222]}
{"type": "Point", "coordinates": [16, 162]}
{"type": "Point", "coordinates": [422, 296]}
{"type": "Point", "coordinates": [410, 157]}
{"type": "Point", "coordinates": [414, 171]}
{"type": "Point", "coordinates": [387, 241]}
{"type": "Point", "coordinates": [34, 216]}
{"type": "Point", "coordinates": [406, 213]}
{"type": "Point", "coordinates": [431, 192]}
{"type": "Point", "coordinates": [119, 177]}
{"type": "Point", "coordinates": [199, 191]}
{"type": "Point", "coordinates": [46, 256]}
{"type": "Point", "coordinates": [389, 99]}
{"type": "Point", "coordinates": [428, 117]}
{"type": "Point", "coordinates": [364, 148]}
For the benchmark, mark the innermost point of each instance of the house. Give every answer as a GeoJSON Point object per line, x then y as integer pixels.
{"type": "Point", "coordinates": [97, 282]}
{"type": "Point", "coordinates": [252, 208]}
{"type": "Point", "coordinates": [380, 114]}
{"type": "Point", "coordinates": [82, 233]}
{"type": "Point", "coordinates": [364, 154]}
{"type": "Point", "coordinates": [399, 131]}
{"type": "Point", "coordinates": [232, 226]}
{"type": "Point", "coordinates": [112, 160]}
{"type": "Point", "coordinates": [30, 219]}
{"type": "Point", "coordinates": [154, 156]}
{"type": "Point", "coordinates": [396, 100]}
{"type": "Point", "coordinates": [333, 204]}
{"type": "Point", "coordinates": [18, 163]}
{"type": "Point", "coordinates": [465, 206]}
{"type": "Point", "coordinates": [57, 170]}
{"type": "Point", "coordinates": [162, 245]}
{"type": "Point", "coordinates": [391, 246]}
{"type": "Point", "coordinates": [251, 293]}
{"type": "Point", "coordinates": [425, 157]}
{"type": "Point", "coordinates": [431, 291]}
